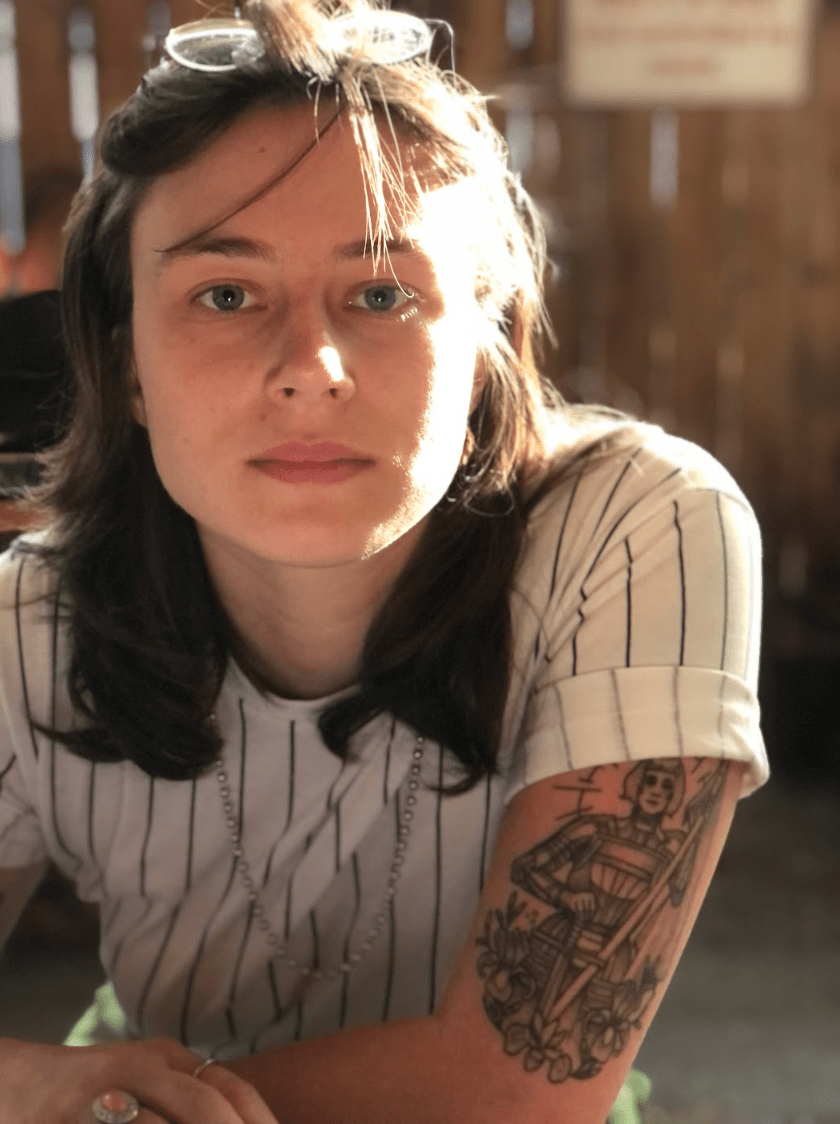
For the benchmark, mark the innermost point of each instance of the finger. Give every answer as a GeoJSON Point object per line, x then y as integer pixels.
{"type": "Point", "coordinates": [240, 1093]}
{"type": "Point", "coordinates": [183, 1099]}
{"type": "Point", "coordinates": [162, 1080]}
{"type": "Point", "coordinates": [166, 1096]}
{"type": "Point", "coordinates": [175, 1055]}
{"type": "Point", "coordinates": [116, 1106]}
{"type": "Point", "coordinates": [148, 1117]}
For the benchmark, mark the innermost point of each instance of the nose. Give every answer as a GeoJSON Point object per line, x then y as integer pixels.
{"type": "Point", "coordinates": [309, 367]}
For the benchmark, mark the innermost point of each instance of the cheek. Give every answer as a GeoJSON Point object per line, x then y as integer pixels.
{"type": "Point", "coordinates": [173, 413]}
{"type": "Point", "coordinates": [456, 359]}
{"type": "Point", "coordinates": [178, 385]}
{"type": "Point", "coordinates": [450, 398]}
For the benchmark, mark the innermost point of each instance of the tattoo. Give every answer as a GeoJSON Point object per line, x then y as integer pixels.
{"type": "Point", "coordinates": [571, 965]}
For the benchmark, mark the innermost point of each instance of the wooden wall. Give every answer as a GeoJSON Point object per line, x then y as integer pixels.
{"type": "Point", "coordinates": [716, 313]}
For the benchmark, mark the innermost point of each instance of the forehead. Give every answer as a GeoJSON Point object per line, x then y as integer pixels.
{"type": "Point", "coordinates": [300, 169]}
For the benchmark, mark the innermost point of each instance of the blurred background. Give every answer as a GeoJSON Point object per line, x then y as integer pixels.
{"type": "Point", "coordinates": [686, 156]}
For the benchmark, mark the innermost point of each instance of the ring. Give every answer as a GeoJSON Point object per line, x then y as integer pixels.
{"type": "Point", "coordinates": [115, 1107]}
{"type": "Point", "coordinates": [197, 1072]}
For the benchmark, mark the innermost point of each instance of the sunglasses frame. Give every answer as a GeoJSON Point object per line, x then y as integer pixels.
{"type": "Point", "coordinates": [409, 37]}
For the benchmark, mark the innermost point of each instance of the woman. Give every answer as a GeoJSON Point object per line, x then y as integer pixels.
{"type": "Point", "coordinates": [393, 712]}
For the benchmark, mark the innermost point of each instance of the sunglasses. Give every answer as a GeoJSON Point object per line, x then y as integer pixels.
{"type": "Point", "coordinates": [383, 38]}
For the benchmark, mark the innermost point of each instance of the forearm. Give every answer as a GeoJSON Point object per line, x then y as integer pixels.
{"type": "Point", "coordinates": [403, 1071]}
{"type": "Point", "coordinates": [418, 1071]}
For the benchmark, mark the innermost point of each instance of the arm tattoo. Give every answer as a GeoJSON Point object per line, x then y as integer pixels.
{"type": "Point", "coordinates": [573, 962]}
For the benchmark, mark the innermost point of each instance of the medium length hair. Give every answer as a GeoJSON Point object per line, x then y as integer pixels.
{"type": "Point", "coordinates": [149, 641]}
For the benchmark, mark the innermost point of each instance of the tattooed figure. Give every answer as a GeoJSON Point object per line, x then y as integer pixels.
{"type": "Point", "coordinates": [569, 990]}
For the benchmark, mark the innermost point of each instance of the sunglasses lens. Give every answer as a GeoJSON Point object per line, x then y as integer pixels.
{"type": "Point", "coordinates": [383, 38]}
{"type": "Point", "coordinates": [214, 45]}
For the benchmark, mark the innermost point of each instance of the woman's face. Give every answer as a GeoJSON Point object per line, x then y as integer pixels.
{"type": "Point", "coordinates": [304, 406]}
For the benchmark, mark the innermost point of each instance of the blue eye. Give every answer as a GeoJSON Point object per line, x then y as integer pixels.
{"type": "Point", "coordinates": [224, 298]}
{"type": "Point", "coordinates": [381, 298]}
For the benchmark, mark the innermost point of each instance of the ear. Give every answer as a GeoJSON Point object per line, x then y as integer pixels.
{"type": "Point", "coordinates": [136, 403]}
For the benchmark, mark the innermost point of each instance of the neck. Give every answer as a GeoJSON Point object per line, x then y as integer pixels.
{"type": "Point", "coordinates": [300, 631]}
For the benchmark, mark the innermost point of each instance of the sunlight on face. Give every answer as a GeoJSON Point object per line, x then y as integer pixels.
{"type": "Point", "coordinates": [276, 336]}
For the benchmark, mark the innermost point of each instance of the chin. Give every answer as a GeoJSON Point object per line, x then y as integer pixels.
{"type": "Point", "coordinates": [316, 535]}
{"type": "Point", "coordinates": [314, 553]}
{"type": "Point", "coordinates": [319, 546]}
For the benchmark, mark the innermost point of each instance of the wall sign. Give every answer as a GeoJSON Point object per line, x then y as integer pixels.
{"type": "Point", "coordinates": [687, 52]}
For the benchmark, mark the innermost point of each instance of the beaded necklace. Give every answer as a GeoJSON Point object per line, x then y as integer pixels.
{"type": "Point", "coordinates": [279, 951]}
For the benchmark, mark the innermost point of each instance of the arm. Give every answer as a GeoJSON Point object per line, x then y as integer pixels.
{"type": "Point", "coordinates": [56, 1084]}
{"type": "Point", "coordinates": [522, 1033]}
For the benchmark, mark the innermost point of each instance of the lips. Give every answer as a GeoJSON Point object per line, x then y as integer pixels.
{"type": "Point", "coordinates": [295, 451]}
{"type": "Point", "coordinates": [324, 462]}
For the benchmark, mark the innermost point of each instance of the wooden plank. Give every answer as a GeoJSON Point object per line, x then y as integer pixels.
{"type": "Point", "coordinates": [629, 259]}
{"type": "Point", "coordinates": [564, 297]}
{"type": "Point", "coordinates": [697, 232]}
{"type": "Point", "coordinates": [792, 420]}
{"type": "Point", "coordinates": [728, 439]}
{"type": "Point", "coordinates": [185, 11]}
{"type": "Point", "coordinates": [546, 184]}
{"type": "Point", "coordinates": [771, 464]}
{"type": "Point", "coordinates": [660, 383]}
{"type": "Point", "coordinates": [45, 96]}
{"type": "Point", "coordinates": [484, 54]}
{"type": "Point", "coordinates": [818, 384]}
{"type": "Point", "coordinates": [119, 48]}
{"type": "Point", "coordinates": [587, 211]}
{"type": "Point", "coordinates": [546, 47]}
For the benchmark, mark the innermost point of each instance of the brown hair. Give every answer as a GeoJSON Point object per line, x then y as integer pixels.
{"type": "Point", "coordinates": [149, 641]}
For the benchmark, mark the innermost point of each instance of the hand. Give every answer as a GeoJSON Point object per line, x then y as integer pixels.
{"type": "Point", "coordinates": [57, 1084]}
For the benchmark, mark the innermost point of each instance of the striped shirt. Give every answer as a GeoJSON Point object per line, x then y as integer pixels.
{"type": "Point", "coordinates": [635, 613]}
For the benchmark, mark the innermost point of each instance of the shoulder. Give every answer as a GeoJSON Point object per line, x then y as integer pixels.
{"type": "Point", "coordinates": [31, 640]}
{"type": "Point", "coordinates": [26, 576]}
{"type": "Point", "coordinates": [636, 612]}
{"type": "Point", "coordinates": [28, 587]}
{"type": "Point", "coordinates": [646, 480]}
{"type": "Point", "coordinates": [641, 463]}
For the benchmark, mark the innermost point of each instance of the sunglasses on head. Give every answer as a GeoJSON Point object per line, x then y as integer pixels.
{"type": "Point", "coordinates": [384, 38]}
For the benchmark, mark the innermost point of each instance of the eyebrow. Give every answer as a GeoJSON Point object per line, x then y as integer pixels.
{"type": "Point", "coordinates": [364, 248]}
{"type": "Point", "coordinates": [215, 245]}
{"type": "Point", "coordinates": [264, 251]}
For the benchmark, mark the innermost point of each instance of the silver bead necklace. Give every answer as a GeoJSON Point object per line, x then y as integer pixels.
{"type": "Point", "coordinates": [278, 949]}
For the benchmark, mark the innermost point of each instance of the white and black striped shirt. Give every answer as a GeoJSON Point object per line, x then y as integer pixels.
{"type": "Point", "coordinates": [636, 618]}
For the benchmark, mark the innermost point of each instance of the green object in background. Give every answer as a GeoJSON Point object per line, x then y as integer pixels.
{"type": "Point", "coordinates": [104, 1021]}
{"type": "Point", "coordinates": [634, 1093]}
